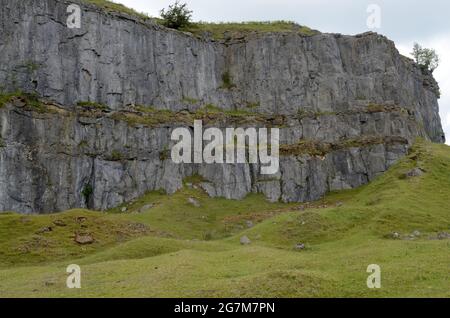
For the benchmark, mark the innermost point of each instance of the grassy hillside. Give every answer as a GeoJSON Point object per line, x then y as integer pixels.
{"type": "Point", "coordinates": [189, 244]}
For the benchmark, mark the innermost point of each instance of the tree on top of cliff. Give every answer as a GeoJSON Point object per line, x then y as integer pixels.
{"type": "Point", "coordinates": [426, 58]}
{"type": "Point", "coordinates": [177, 16]}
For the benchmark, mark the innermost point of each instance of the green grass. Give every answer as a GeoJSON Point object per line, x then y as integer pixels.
{"type": "Point", "coordinates": [30, 100]}
{"type": "Point", "coordinates": [23, 241]}
{"type": "Point", "coordinates": [167, 247]}
{"type": "Point", "coordinates": [92, 105]}
{"type": "Point", "coordinates": [227, 81]}
{"type": "Point", "coordinates": [220, 31]}
{"type": "Point", "coordinates": [190, 100]}
{"type": "Point", "coordinates": [315, 148]}
{"type": "Point", "coordinates": [217, 31]}
{"type": "Point", "coordinates": [6, 98]}
{"type": "Point", "coordinates": [208, 113]}
{"type": "Point", "coordinates": [116, 7]}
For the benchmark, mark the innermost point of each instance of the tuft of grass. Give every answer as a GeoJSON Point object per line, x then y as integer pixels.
{"type": "Point", "coordinates": [30, 100]}
{"type": "Point", "coordinates": [92, 105]}
{"type": "Point", "coordinates": [190, 100]}
{"type": "Point", "coordinates": [87, 192]}
{"type": "Point", "coordinates": [375, 108]}
{"type": "Point", "coordinates": [301, 114]}
{"type": "Point", "coordinates": [253, 105]}
{"type": "Point", "coordinates": [194, 179]}
{"type": "Point", "coordinates": [6, 98]}
{"type": "Point", "coordinates": [116, 155]}
{"type": "Point", "coordinates": [164, 154]}
{"type": "Point", "coordinates": [227, 81]}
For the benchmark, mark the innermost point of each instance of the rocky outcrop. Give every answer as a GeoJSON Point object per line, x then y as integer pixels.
{"type": "Point", "coordinates": [356, 96]}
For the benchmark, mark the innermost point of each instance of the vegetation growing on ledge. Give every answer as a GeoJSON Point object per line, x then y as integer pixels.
{"type": "Point", "coordinates": [116, 155]}
{"type": "Point", "coordinates": [217, 31]}
{"type": "Point", "coordinates": [116, 7]}
{"type": "Point", "coordinates": [427, 59]}
{"type": "Point", "coordinates": [6, 98]}
{"type": "Point", "coordinates": [189, 100]}
{"type": "Point", "coordinates": [151, 116]}
{"type": "Point", "coordinates": [220, 31]}
{"type": "Point", "coordinates": [176, 16]}
{"type": "Point", "coordinates": [227, 81]}
{"type": "Point", "coordinates": [87, 192]}
{"type": "Point", "coordinates": [208, 113]}
{"type": "Point", "coordinates": [92, 106]}
{"type": "Point", "coordinates": [321, 149]}
{"type": "Point", "coordinates": [28, 100]}
{"type": "Point", "coordinates": [194, 179]}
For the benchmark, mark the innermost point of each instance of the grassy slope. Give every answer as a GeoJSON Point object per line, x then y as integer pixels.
{"type": "Point", "coordinates": [217, 31]}
{"type": "Point", "coordinates": [220, 31]}
{"type": "Point", "coordinates": [195, 251]}
{"type": "Point", "coordinates": [116, 7]}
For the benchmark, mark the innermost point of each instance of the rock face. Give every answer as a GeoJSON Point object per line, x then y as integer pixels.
{"type": "Point", "coordinates": [326, 88]}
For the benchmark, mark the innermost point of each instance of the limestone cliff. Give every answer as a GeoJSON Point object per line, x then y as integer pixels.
{"type": "Point", "coordinates": [348, 107]}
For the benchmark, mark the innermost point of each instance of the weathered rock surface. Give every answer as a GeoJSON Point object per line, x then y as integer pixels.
{"type": "Point", "coordinates": [329, 88]}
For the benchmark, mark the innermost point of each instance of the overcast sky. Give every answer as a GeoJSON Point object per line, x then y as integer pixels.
{"type": "Point", "coordinates": [403, 21]}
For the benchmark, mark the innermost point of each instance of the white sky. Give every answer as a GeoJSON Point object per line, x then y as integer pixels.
{"type": "Point", "coordinates": [403, 21]}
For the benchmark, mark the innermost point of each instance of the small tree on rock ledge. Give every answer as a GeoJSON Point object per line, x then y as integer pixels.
{"type": "Point", "coordinates": [177, 16]}
{"type": "Point", "coordinates": [426, 58]}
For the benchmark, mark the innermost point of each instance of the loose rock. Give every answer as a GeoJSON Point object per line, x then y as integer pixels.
{"type": "Point", "coordinates": [245, 240]}
{"type": "Point", "coordinates": [146, 208]}
{"type": "Point", "coordinates": [394, 235]}
{"type": "Point", "coordinates": [59, 223]}
{"type": "Point", "coordinates": [416, 172]}
{"type": "Point", "coordinates": [81, 219]}
{"type": "Point", "coordinates": [84, 239]}
{"type": "Point", "coordinates": [443, 236]}
{"type": "Point", "coordinates": [44, 230]}
{"type": "Point", "coordinates": [194, 202]}
{"type": "Point", "coordinates": [300, 246]}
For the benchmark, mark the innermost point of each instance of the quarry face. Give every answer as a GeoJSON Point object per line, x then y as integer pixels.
{"type": "Point", "coordinates": [347, 107]}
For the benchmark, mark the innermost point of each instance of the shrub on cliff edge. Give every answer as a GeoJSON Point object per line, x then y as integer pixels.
{"type": "Point", "coordinates": [177, 16]}
{"type": "Point", "coordinates": [426, 58]}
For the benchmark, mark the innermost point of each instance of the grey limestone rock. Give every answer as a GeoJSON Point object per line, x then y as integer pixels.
{"type": "Point", "coordinates": [329, 88]}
